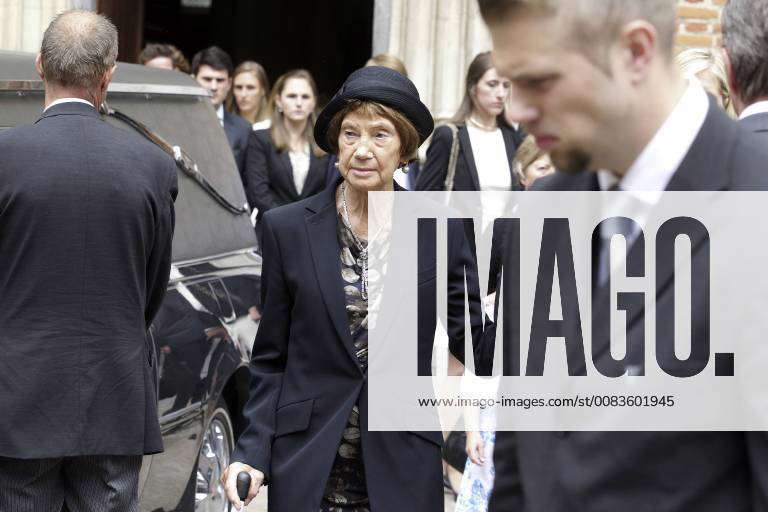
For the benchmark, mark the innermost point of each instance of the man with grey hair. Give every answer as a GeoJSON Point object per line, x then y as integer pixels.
{"type": "Point", "coordinates": [596, 84]}
{"type": "Point", "coordinates": [745, 38]}
{"type": "Point", "coordinates": [87, 217]}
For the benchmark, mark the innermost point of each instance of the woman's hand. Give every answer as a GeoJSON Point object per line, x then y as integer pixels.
{"type": "Point", "coordinates": [475, 448]}
{"type": "Point", "coordinates": [229, 481]}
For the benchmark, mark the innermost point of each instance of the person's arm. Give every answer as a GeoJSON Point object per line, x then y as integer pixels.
{"type": "Point", "coordinates": [432, 174]}
{"type": "Point", "coordinates": [463, 288]}
{"type": "Point", "coordinates": [254, 447]}
{"type": "Point", "coordinates": [259, 191]}
{"type": "Point", "coordinates": [159, 263]}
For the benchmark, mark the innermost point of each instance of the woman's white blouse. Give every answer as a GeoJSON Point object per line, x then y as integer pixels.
{"type": "Point", "coordinates": [490, 158]}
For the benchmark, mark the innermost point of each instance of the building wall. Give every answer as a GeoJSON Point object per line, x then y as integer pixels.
{"type": "Point", "coordinates": [22, 22]}
{"type": "Point", "coordinates": [699, 22]}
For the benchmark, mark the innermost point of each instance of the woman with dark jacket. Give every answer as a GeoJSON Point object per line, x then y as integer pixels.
{"type": "Point", "coordinates": [284, 164]}
{"type": "Point", "coordinates": [486, 143]}
{"type": "Point", "coordinates": [307, 412]}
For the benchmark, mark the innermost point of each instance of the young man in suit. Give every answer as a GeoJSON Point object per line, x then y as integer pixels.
{"type": "Point", "coordinates": [745, 38]}
{"type": "Point", "coordinates": [596, 84]}
{"type": "Point", "coordinates": [212, 68]}
{"type": "Point", "coordinates": [87, 218]}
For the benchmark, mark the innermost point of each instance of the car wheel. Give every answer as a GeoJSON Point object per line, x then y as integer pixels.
{"type": "Point", "coordinates": [213, 460]}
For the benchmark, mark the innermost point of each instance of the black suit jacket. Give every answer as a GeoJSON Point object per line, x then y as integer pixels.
{"type": "Point", "coordinates": [238, 131]}
{"type": "Point", "coordinates": [432, 175]}
{"type": "Point", "coordinates": [757, 123]}
{"type": "Point", "coordinates": [305, 377]}
{"type": "Point", "coordinates": [86, 221]}
{"type": "Point", "coordinates": [270, 176]}
{"type": "Point", "coordinates": [647, 471]}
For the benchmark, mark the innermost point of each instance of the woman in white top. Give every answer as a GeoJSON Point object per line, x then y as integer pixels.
{"type": "Point", "coordinates": [284, 164]}
{"type": "Point", "coordinates": [486, 142]}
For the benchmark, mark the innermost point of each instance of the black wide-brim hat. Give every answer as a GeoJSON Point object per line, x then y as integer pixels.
{"type": "Point", "coordinates": [382, 85]}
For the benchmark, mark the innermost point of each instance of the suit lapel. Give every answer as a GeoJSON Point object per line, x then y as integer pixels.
{"type": "Point", "coordinates": [287, 173]}
{"type": "Point", "coordinates": [469, 158]}
{"type": "Point", "coordinates": [316, 174]}
{"type": "Point", "coordinates": [511, 147]}
{"type": "Point", "coordinates": [705, 167]}
{"type": "Point", "coordinates": [322, 223]}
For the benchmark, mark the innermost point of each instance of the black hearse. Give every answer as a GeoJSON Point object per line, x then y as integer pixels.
{"type": "Point", "coordinates": [204, 331]}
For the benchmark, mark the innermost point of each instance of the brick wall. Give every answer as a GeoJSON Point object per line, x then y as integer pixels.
{"type": "Point", "coordinates": [699, 22]}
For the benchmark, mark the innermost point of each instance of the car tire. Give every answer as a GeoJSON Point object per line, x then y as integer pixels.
{"type": "Point", "coordinates": [212, 460]}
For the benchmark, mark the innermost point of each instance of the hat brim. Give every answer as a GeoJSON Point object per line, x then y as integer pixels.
{"type": "Point", "coordinates": [413, 109]}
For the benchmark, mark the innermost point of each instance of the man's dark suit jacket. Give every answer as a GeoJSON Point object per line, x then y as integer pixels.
{"type": "Point", "coordinates": [305, 376]}
{"type": "Point", "coordinates": [269, 174]}
{"type": "Point", "coordinates": [432, 175]}
{"type": "Point", "coordinates": [757, 123]}
{"type": "Point", "coordinates": [647, 471]}
{"type": "Point", "coordinates": [86, 221]}
{"type": "Point", "coordinates": [238, 131]}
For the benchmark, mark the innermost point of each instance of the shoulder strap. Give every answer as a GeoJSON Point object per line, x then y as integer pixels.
{"type": "Point", "coordinates": [449, 176]}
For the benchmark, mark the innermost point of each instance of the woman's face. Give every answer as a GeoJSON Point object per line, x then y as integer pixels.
{"type": "Point", "coordinates": [248, 92]}
{"type": "Point", "coordinates": [369, 151]}
{"type": "Point", "coordinates": [296, 100]}
{"type": "Point", "coordinates": [491, 92]}
{"type": "Point", "coordinates": [540, 167]}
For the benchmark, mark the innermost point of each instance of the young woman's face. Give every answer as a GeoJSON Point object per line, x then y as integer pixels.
{"type": "Point", "coordinates": [248, 92]}
{"type": "Point", "coordinates": [297, 101]}
{"type": "Point", "coordinates": [491, 92]}
{"type": "Point", "coordinates": [369, 151]}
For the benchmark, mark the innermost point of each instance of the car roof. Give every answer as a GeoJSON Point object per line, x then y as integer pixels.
{"type": "Point", "coordinates": [17, 67]}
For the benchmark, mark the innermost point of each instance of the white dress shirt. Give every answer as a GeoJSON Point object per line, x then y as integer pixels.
{"type": "Point", "coordinates": [220, 114]}
{"type": "Point", "coordinates": [300, 166]}
{"type": "Point", "coordinates": [68, 100]}
{"type": "Point", "coordinates": [654, 167]}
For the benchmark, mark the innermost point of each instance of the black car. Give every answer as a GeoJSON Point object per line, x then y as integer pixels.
{"type": "Point", "coordinates": [205, 328]}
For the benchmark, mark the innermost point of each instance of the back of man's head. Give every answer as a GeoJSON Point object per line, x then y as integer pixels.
{"type": "Point", "coordinates": [154, 50]}
{"type": "Point", "coordinates": [78, 48]}
{"type": "Point", "coordinates": [591, 25]}
{"type": "Point", "coordinates": [213, 57]}
{"type": "Point", "coordinates": [745, 37]}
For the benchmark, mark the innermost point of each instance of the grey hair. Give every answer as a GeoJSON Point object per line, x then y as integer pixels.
{"type": "Point", "coordinates": [78, 48]}
{"type": "Point", "coordinates": [745, 37]}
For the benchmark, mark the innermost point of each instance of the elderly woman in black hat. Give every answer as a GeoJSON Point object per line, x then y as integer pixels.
{"type": "Point", "coordinates": [307, 412]}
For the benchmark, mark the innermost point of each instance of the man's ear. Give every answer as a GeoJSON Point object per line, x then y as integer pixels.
{"type": "Point", "coordinates": [638, 42]}
{"type": "Point", "coordinates": [108, 75]}
{"type": "Point", "coordinates": [39, 66]}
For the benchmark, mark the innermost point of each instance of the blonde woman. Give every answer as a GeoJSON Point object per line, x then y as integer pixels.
{"type": "Point", "coordinates": [284, 163]}
{"type": "Point", "coordinates": [708, 67]}
{"type": "Point", "coordinates": [249, 94]}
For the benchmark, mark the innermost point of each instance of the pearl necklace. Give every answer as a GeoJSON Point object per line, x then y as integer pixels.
{"type": "Point", "coordinates": [481, 125]}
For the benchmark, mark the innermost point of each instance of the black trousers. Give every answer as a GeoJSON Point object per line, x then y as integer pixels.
{"type": "Point", "coordinates": [97, 483]}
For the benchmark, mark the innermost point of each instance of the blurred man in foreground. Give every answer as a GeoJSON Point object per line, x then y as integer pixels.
{"type": "Point", "coordinates": [596, 84]}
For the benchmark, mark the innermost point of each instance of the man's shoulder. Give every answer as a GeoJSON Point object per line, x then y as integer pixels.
{"type": "Point", "coordinates": [240, 124]}
{"type": "Point", "coordinates": [749, 161]}
{"type": "Point", "coordinates": [560, 181]}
